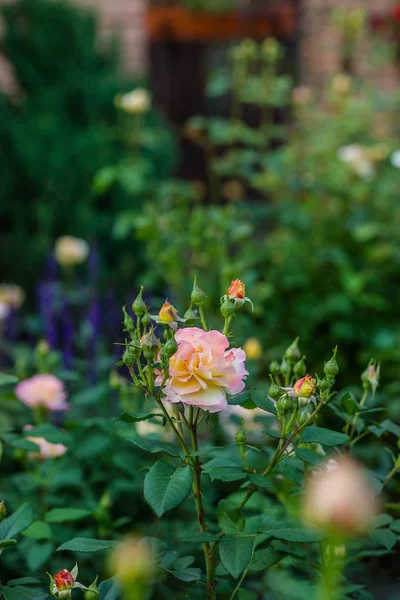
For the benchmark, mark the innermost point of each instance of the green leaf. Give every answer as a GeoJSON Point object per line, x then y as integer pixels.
{"type": "Point", "coordinates": [230, 519]}
{"type": "Point", "coordinates": [128, 417]}
{"type": "Point", "coordinates": [17, 522]}
{"type": "Point", "coordinates": [383, 537]}
{"type": "Point", "coordinates": [320, 435]}
{"type": "Point", "coordinates": [396, 526]}
{"type": "Point", "coordinates": [264, 559]}
{"type": "Point", "coordinates": [24, 444]}
{"type": "Point", "coordinates": [6, 379]}
{"type": "Point", "coordinates": [227, 473]}
{"type": "Point", "coordinates": [273, 433]}
{"type": "Point", "coordinates": [261, 481]}
{"type": "Point", "coordinates": [50, 433]}
{"type": "Point", "coordinates": [154, 446]}
{"type": "Point", "coordinates": [235, 553]}
{"type": "Point", "coordinates": [350, 404]}
{"type": "Point", "coordinates": [380, 521]}
{"type": "Point", "coordinates": [261, 400]}
{"type": "Point", "coordinates": [109, 590]}
{"type": "Point", "coordinates": [308, 456]}
{"type": "Point", "coordinates": [5, 543]}
{"type": "Point", "coordinates": [166, 486]}
{"type": "Point", "coordinates": [38, 553]}
{"type": "Point", "coordinates": [24, 581]}
{"type": "Point", "coordinates": [61, 515]}
{"type": "Point", "coordinates": [38, 530]}
{"type": "Point", "coordinates": [86, 545]}
{"type": "Point", "coordinates": [190, 574]}
{"type": "Point", "coordinates": [293, 532]}
{"type": "Point", "coordinates": [247, 595]}
{"type": "Point", "coordinates": [197, 538]}
{"type": "Point", "coordinates": [23, 593]}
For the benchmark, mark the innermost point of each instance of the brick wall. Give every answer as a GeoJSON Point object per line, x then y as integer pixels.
{"type": "Point", "coordinates": [319, 48]}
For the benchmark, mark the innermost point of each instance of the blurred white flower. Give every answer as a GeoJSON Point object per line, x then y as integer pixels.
{"type": "Point", "coordinates": [4, 310]}
{"type": "Point", "coordinates": [135, 102]}
{"type": "Point", "coordinates": [70, 250]}
{"type": "Point", "coordinates": [12, 294]}
{"type": "Point", "coordinates": [340, 497]}
{"type": "Point", "coordinates": [357, 158]}
{"type": "Point", "coordinates": [395, 159]}
{"type": "Point", "coordinates": [46, 449]}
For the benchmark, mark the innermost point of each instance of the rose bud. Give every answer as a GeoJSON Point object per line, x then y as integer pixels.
{"type": "Point", "coordinates": [305, 387]}
{"type": "Point", "coordinates": [3, 511]}
{"type": "Point", "coordinates": [131, 563]}
{"type": "Point", "coordinates": [237, 289]}
{"type": "Point", "coordinates": [168, 313]}
{"type": "Point", "coordinates": [64, 580]}
{"type": "Point", "coordinates": [340, 498]}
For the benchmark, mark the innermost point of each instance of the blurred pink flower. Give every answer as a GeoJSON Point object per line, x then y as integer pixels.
{"type": "Point", "coordinates": [340, 497]}
{"type": "Point", "coordinates": [43, 390]}
{"type": "Point", "coordinates": [46, 449]}
{"type": "Point", "coordinates": [203, 371]}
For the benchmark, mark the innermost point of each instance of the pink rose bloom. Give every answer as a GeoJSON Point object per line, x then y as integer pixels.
{"type": "Point", "coordinates": [46, 449]}
{"type": "Point", "coordinates": [203, 371]}
{"type": "Point", "coordinates": [42, 390]}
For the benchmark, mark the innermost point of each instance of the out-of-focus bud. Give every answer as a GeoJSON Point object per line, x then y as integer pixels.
{"type": "Point", "coordinates": [92, 592]}
{"type": "Point", "coordinates": [274, 368]}
{"type": "Point", "coordinates": [292, 353]}
{"type": "Point", "coordinates": [274, 391]}
{"type": "Point", "coordinates": [135, 102]}
{"type": "Point", "coordinates": [253, 348]}
{"type": "Point", "coordinates": [114, 380]}
{"type": "Point", "coordinates": [197, 297]}
{"type": "Point", "coordinates": [129, 326]}
{"type": "Point", "coordinates": [131, 563]}
{"type": "Point", "coordinates": [370, 377]}
{"type": "Point", "coordinates": [70, 250]}
{"type": "Point", "coordinates": [3, 511]}
{"type": "Point", "coordinates": [233, 190]}
{"type": "Point", "coordinates": [302, 95]}
{"type": "Point", "coordinates": [271, 50]}
{"type": "Point", "coordinates": [331, 367]}
{"type": "Point", "coordinates": [304, 414]}
{"type": "Point", "coordinates": [132, 353]}
{"type": "Point", "coordinates": [139, 306]}
{"type": "Point", "coordinates": [299, 368]}
{"type": "Point", "coordinates": [303, 401]}
{"type": "Point", "coordinates": [341, 84]}
{"type": "Point", "coordinates": [190, 316]}
{"type": "Point", "coordinates": [168, 313]}
{"type": "Point", "coordinates": [241, 436]}
{"type": "Point", "coordinates": [146, 319]}
{"type": "Point", "coordinates": [284, 367]}
{"type": "Point", "coordinates": [169, 348]}
{"type": "Point", "coordinates": [340, 499]}
{"type": "Point", "coordinates": [227, 307]}
{"type": "Point", "coordinates": [285, 404]}
{"type": "Point", "coordinates": [64, 580]}
{"type": "Point", "coordinates": [12, 294]}
{"type": "Point", "coordinates": [150, 345]}
{"type": "Point", "coordinates": [237, 289]}
{"type": "Point", "coordinates": [305, 387]}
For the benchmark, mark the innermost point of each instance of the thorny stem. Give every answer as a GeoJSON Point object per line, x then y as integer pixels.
{"type": "Point", "coordinates": [198, 497]}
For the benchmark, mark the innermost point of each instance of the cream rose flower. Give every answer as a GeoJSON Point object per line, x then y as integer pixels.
{"type": "Point", "coordinates": [203, 371]}
{"type": "Point", "coordinates": [42, 390]}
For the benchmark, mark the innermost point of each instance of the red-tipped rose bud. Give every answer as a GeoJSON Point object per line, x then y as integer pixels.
{"type": "Point", "coordinates": [305, 387]}
{"type": "Point", "coordinates": [64, 580]}
{"type": "Point", "coordinates": [168, 313]}
{"type": "Point", "coordinates": [237, 289]}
